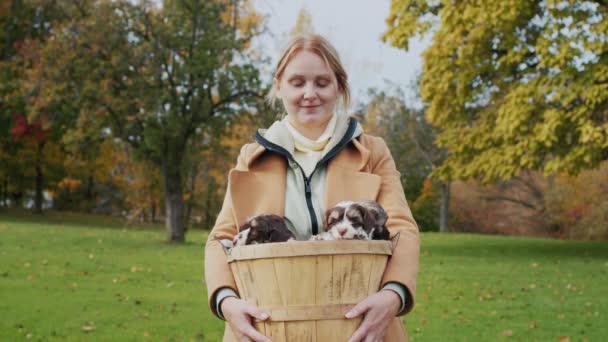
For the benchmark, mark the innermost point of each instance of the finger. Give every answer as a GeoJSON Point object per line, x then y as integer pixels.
{"type": "Point", "coordinates": [370, 338]}
{"type": "Point", "coordinates": [256, 335]}
{"type": "Point", "coordinates": [359, 309]}
{"type": "Point", "coordinates": [256, 312]}
{"type": "Point", "coordinates": [358, 335]}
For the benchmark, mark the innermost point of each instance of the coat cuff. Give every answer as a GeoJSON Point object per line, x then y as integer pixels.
{"type": "Point", "coordinates": [222, 294]}
{"type": "Point", "coordinates": [401, 291]}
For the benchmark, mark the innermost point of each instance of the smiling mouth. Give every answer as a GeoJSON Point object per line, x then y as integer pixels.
{"type": "Point", "coordinates": [310, 106]}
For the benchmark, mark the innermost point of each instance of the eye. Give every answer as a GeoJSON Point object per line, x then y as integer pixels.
{"type": "Point", "coordinates": [322, 83]}
{"type": "Point", "coordinates": [296, 82]}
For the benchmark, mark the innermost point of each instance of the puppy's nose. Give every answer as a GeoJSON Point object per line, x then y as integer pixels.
{"type": "Point", "coordinates": [342, 231]}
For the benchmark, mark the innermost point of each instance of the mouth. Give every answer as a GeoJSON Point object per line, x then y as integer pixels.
{"type": "Point", "coordinates": [309, 107]}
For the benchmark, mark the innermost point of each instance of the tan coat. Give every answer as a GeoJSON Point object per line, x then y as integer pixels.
{"type": "Point", "coordinates": [364, 169]}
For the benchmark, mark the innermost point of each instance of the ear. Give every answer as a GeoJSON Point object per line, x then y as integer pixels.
{"type": "Point", "coordinates": [253, 235]}
{"type": "Point", "coordinates": [381, 233]}
{"type": "Point", "coordinates": [369, 218]}
{"type": "Point", "coordinates": [331, 215]}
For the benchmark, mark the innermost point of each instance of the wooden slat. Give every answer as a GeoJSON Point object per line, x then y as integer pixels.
{"type": "Point", "coordinates": [309, 248]}
{"type": "Point", "coordinates": [276, 331]}
{"type": "Point", "coordinates": [300, 331]}
{"type": "Point", "coordinates": [307, 312]}
{"type": "Point", "coordinates": [376, 272]}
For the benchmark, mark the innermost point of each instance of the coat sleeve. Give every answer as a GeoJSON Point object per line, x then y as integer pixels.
{"type": "Point", "coordinates": [402, 267]}
{"type": "Point", "coordinates": [217, 270]}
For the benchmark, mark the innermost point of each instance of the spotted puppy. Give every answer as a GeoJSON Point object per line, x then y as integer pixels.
{"type": "Point", "coordinates": [263, 229]}
{"type": "Point", "coordinates": [363, 220]}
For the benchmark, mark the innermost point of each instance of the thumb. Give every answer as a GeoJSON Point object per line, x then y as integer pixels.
{"type": "Point", "coordinates": [256, 312]}
{"type": "Point", "coordinates": [357, 310]}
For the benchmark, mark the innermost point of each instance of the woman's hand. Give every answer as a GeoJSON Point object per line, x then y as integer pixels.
{"type": "Point", "coordinates": [239, 314]}
{"type": "Point", "coordinates": [379, 310]}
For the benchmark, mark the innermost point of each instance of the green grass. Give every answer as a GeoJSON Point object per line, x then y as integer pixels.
{"type": "Point", "coordinates": [86, 278]}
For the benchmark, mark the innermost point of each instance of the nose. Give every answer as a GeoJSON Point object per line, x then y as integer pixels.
{"type": "Point", "coordinates": [310, 92]}
{"type": "Point", "coordinates": [341, 230]}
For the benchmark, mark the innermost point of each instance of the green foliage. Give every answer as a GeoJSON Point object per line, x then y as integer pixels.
{"type": "Point", "coordinates": [426, 208]}
{"type": "Point", "coordinates": [405, 131]}
{"type": "Point", "coordinates": [512, 85]}
{"type": "Point", "coordinates": [114, 280]}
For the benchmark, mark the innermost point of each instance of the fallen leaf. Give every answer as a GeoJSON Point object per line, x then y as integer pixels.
{"type": "Point", "coordinates": [89, 327]}
{"type": "Point", "coordinates": [507, 333]}
{"type": "Point", "coordinates": [564, 339]}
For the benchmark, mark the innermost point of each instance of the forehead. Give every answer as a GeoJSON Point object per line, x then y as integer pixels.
{"type": "Point", "coordinates": [307, 63]}
{"type": "Point", "coordinates": [352, 212]}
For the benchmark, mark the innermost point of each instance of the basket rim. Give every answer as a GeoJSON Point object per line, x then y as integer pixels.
{"type": "Point", "coordinates": [309, 248]}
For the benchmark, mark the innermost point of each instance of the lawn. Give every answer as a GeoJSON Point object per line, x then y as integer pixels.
{"type": "Point", "coordinates": [88, 278]}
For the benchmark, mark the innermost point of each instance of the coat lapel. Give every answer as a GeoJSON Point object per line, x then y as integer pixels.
{"type": "Point", "coordinates": [347, 179]}
{"type": "Point", "coordinates": [261, 189]}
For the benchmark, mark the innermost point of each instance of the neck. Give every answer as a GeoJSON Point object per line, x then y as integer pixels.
{"type": "Point", "coordinates": [310, 132]}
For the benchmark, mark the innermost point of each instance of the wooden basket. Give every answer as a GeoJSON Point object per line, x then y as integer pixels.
{"type": "Point", "coordinates": [308, 286]}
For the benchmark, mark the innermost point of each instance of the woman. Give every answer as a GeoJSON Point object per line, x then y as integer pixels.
{"type": "Point", "coordinates": [302, 165]}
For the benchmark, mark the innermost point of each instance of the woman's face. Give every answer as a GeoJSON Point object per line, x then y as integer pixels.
{"type": "Point", "coordinates": [308, 90]}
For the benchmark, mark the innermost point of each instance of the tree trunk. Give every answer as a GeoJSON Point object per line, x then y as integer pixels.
{"type": "Point", "coordinates": [192, 188]}
{"type": "Point", "coordinates": [153, 211]}
{"type": "Point", "coordinates": [174, 202]}
{"type": "Point", "coordinates": [5, 192]}
{"type": "Point", "coordinates": [38, 197]}
{"type": "Point", "coordinates": [445, 206]}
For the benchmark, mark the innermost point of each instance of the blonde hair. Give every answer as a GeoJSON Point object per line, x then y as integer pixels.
{"type": "Point", "coordinates": [319, 46]}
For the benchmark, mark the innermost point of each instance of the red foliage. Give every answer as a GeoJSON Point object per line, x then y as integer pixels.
{"type": "Point", "coordinates": [24, 130]}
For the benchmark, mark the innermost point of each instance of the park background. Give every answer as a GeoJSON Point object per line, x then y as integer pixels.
{"type": "Point", "coordinates": [119, 121]}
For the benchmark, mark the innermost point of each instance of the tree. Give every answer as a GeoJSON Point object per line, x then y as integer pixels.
{"type": "Point", "coordinates": [25, 25]}
{"type": "Point", "coordinates": [411, 141]}
{"type": "Point", "coordinates": [303, 23]}
{"type": "Point", "coordinates": [156, 77]}
{"type": "Point", "coordinates": [512, 85]}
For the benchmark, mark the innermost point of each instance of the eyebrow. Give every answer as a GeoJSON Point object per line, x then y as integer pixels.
{"type": "Point", "coordinates": [303, 76]}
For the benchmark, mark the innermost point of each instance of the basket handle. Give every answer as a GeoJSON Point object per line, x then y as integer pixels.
{"type": "Point", "coordinates": [227, 250]}
{"type": "Point", "coordinates": [394, 241]}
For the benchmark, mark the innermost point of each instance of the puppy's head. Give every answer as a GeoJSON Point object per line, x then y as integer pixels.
{"type": "Point", "coordinates": [348, 221]}
{"type": "Point", "coordinates": [379, 230]}
{"type": "Point", "coordinates": [264, 229]}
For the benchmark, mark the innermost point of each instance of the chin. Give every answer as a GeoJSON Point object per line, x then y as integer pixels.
{"type": "Point", "coordinates": [313, 118]}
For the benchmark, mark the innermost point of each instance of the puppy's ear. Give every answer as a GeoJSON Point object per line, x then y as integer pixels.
{"type": "Point", "coordinates": [244, 226]}
{"type": "Point", "coordinates": [367, 217]}
{"type": "Point", "coordinates": [253, 235]}
{"type": "Point", "coordinates": [332, 216]}
{"type": "Point", "coordinates": [381, 233]}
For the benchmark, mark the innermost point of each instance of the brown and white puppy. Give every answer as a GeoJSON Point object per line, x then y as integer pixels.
{"type": "Point", "coordinates": [363, 220]}
{"type": "Point", "coordinates": [263, 229]}
{"type": "Point", "coordinates": [379, 215]}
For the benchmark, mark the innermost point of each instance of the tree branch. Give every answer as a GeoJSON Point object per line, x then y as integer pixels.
{"type": "Point", "coordinates": [509, 199]}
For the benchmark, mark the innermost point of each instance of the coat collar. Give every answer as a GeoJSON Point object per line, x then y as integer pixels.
{"type": "Point", "coordinates": [278, 134]}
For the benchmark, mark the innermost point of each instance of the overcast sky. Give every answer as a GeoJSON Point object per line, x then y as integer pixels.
{"type": "Point", "coordinates": [355, 28]}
